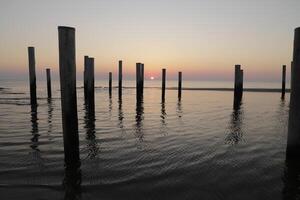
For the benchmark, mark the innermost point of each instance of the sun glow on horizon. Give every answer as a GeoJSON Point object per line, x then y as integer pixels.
{"type": "Point", "coordinates": [204, 39]}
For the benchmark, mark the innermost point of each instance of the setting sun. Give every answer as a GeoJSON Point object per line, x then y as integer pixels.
{"type": "Point", "coordinates": [152, 78]}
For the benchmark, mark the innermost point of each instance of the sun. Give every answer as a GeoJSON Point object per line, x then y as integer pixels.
{"type": "Point", "coordinates": [152, 78]}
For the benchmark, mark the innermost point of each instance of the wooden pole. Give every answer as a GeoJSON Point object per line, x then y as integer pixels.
{"type": "Point", "coordinates": [120, 77]}
{"type": "Point", "coordinates": [138, 80]}
{"type": "Point", "coordinates": [293, 143]}
{"type": "Point", "coordinates": [163, 86]}
{"type": "Point", "coordinates": [110, 83]}
{"type": "Point", "coordinates": [90, 84]}
{"type": "Point", "coordinates": [236, 80]}
{"type": "Point", "coordinates": [86, 63]}
{"type": "Point", "coordinates": [67, 70]}
{"type": "Point", "coordinates": [142, 78]}
{"type": "Point", "coordinates": [49, 83]}
{"type": "Point", "coordinates": [241, 83]}
{"type": "Point", "coordinates": [179, 84]}
{"type": "Point", "coordinates": [32, 77]}
{"type": "Point", "coordinates": [283, 81]}
{"type": "Point", "coordinates": [238, 83]}
{"type": "Point", "coordinates": [291, 81]}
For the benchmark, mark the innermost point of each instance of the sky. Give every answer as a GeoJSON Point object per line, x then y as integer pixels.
{"type": "Point", "coordinates": [202, 38]}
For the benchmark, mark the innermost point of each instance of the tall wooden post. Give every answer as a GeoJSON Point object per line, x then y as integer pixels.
{"type": "Point", "coordinates": [32, 77]}
{"type": "Point", "coordinates": [48, 83]}
{"type": "Point", "coordinates": [238, 84]}
{"type": "Point", "coordinates": [90, 84]}
{"type": "Point", "coordinates": [241, 89]}
{"type": "Point", "coordinates": [283, 81]}
{"type": "Point", "coordinates": [137, 77]}
{"type": "Point", "coordinates": [86, 63]}
{"type": "Point", "coordinates": [291, 81]}
{"type": "Point", "coordinates": [67, 70]}
{"type": "Point", "coordinates": [142, 78]}
{"type": "Point", "coordinates": [236, 80]}
{"type": "Point", "coordinates": [293, 143]}
{"type": "Point", "coordinates": [110, 83]}
{"type": "Point", "coordinates": [163, 86]}
{"type": "Point", "coordinates": [179, 84]}
{"type": "Point", "coordinates": [138, 80]}
{"type": "Point", "coordinates": [120, 78]}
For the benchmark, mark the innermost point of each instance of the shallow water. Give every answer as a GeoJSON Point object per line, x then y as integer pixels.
{"type": "Point", "coordinates": [196, 148]}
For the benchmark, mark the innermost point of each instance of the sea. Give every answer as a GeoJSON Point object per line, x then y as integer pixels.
{"type": "Point", "coordinates": [196, 147]}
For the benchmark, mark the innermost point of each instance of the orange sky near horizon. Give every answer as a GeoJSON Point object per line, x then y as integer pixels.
{"type": "Point", "coordinates": [203, 39]}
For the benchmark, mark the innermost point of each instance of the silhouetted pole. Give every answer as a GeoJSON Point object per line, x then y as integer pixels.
{"type": "Point", "coordinates": [236, 80]}
{"type": "Point", "coordinates": [32, 77]}
{"type": "Point", "coordinates": [110, 83]}
{"type": "Point", "coordinates": [137, 78]}
{"type": "Point", "coordinates": [242, 83]}
{"type": "Point", "coordinates": [293, 143]}
{"type": "Point", "coordinates": [238, 84]}
{"type": "Point", "coordinates": [139, 81]}
{"type": "Point", "coordinates": [86, 63]}
{"type": "Point", "coordinates": [179, 84]}
{"type": "Point", "coordinates": [163, 86]}
{"type": "Point", "coordinates": [142, 78]}
{"type": "Point", "coordinates": [67, 70]}
{"type": "Point", "coordinates": [291, 82]}
{"type": "Point", "coordinates": [283, 81]}
{"type": "Point", "coordinates": [48, 83]}
{"type": "Point", "coordinates": [120, 78]}
{"type": "Point", "coordinates": [90, 84]}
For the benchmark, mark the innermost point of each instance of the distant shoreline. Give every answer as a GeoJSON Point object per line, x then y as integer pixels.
{"type": "Point", "coordinates": [212, 89]}
{"type": "Point", "coordinates": [231, 89]}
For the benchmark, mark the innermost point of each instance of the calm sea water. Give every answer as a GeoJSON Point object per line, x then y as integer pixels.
{"type": "Point", "coordinates": [196, 148]}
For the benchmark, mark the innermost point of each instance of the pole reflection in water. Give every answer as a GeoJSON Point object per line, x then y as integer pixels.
{"type": "Point", "coordinates": [110, 106]}
{"type": "Point", "coordinates": [34, 130]}
{"type": "Point", "coordinates": [50, 110]}
{"type": "Point", "coordinates": [163, 118]}
{"type": "Point", "coordinates": [139, 119]}
{"type": "Point", "coordinates": [291, 180]}
{"type": "Point", "coordinates": [36, 157]}
{"type": "Point", "coordinates": [121, 115]}
{"type": "Point", "coordinates": [179, 108]}
{"type": "Point", "coordinates": [236, 133]}
{"type": "Point", "coordinates": [92, 144]}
